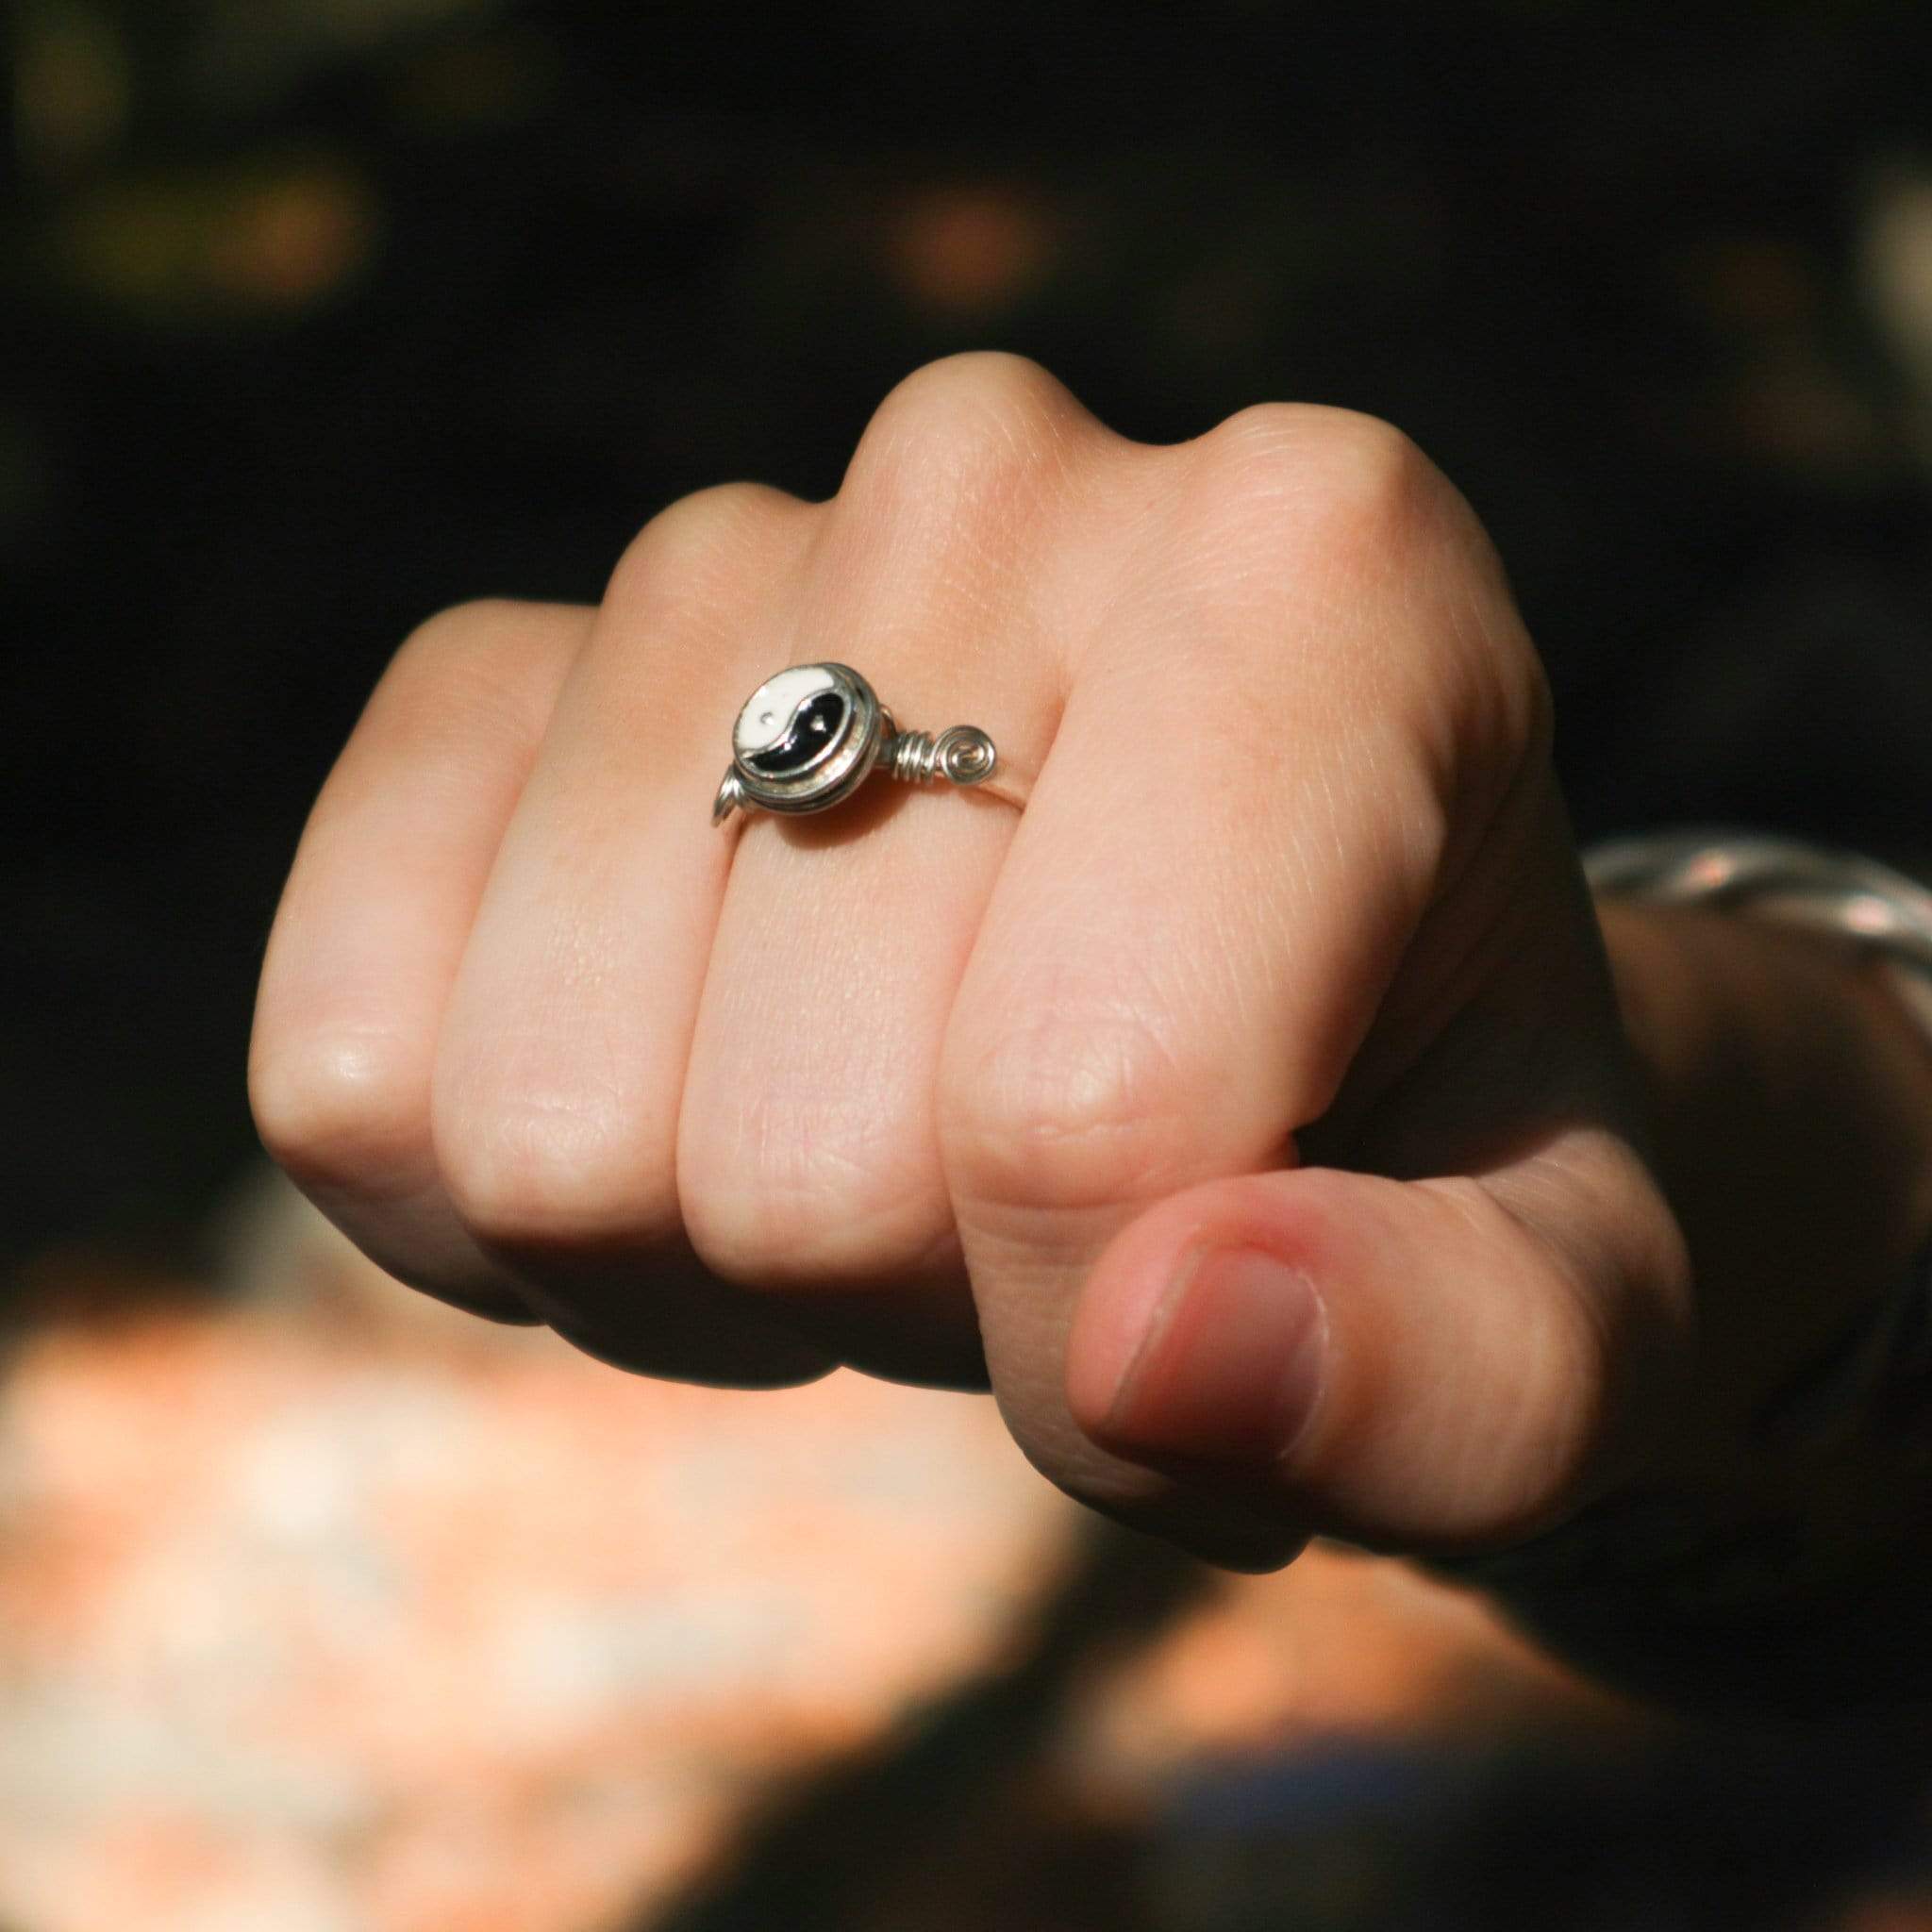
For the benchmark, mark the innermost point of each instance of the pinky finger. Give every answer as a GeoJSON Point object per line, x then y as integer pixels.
{"type": "Point", "coordinates": [372, 925]}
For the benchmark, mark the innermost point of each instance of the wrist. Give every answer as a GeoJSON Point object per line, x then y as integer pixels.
{"type": "Point", "coordinates": [1788, 1095]}
{"type": "Point", "coordinates": [1752, 1569]}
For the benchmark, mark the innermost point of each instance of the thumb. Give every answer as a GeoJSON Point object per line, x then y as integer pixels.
{"type": "Point", "coordinates": [1429, 1365]}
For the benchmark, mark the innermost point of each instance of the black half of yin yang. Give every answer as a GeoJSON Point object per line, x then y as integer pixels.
{"type": "Point", "coordinates": [813, 730]}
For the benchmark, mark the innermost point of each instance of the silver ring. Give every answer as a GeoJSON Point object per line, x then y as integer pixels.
{"type": "Point", "coordinates": [809, 738]}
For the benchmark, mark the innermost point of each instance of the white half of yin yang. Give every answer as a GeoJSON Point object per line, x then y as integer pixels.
{"type": "Point", "coordinates": [768, 712]}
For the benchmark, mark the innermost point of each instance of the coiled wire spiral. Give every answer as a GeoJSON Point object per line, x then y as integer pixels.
{"type": "Point", "coordinates": [962, 753]}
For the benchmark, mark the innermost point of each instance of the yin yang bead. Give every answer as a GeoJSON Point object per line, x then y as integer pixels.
{"type": "Point", "coordinates": [810, 735]}
{"type": "Point", "coordinates": [805, 739]}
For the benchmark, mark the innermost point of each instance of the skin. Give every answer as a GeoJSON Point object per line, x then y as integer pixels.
{"type": "Point", "coordinates": [1288, 956]}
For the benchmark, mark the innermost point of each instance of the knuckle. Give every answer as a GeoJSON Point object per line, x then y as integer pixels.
{"type": "Point", "coordinates": [479, 639]}
{"type": "Point", "coordinates": [722, 517]}
{"type": "Point", "coordinates": [464, 649]}
{"type": "Point", "coordinates": [973, 388]}
{"type": "Point", "coordinates": [1341, 484]}
{"type": "Point", "coordinates": [1293, 493]}
{"type": "Point", "coordinates": [1544, 1448]}
{"type": "Point", "coordinates": [340, 1110]}
{"type": "Point", "coordinates": [780, 1195]}
{"type": "Point", "coordinates": [470, 666]}
{"type": "Point", "coordinates": [458, 629]}
{"type": "Point", "coordinates": [1481, 721]}
{"type": "Point", "coordinates": [1566, 1416]}
{"type": "Point", "coordinates": [526, 1174]}
{"type": "Point", "coordinates": [1516, 706]}
{"type": "Point", "coordinates": [700, 539]}
{"type": "Point", "coordinates": [1066, 1115]}
{"type": "Point", "coordinates": [982, 425]}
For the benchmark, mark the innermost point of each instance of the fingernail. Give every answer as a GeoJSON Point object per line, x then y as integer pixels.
{"type": "Point", "coordinates": [1230, 1364]}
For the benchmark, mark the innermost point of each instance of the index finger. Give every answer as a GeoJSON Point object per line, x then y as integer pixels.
{"type": "Point", "coordinates": [1251, 800]}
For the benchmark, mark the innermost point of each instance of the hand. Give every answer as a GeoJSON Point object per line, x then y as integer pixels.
{"type": "Point", "coordinates": [1253, 1114]}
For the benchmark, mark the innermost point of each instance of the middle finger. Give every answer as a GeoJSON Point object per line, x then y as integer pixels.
{"type": "Point", "coordinates": [809, 1151]}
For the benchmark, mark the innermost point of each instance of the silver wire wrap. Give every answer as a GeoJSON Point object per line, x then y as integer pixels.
{"type": "Point", "coordinates": [962, 753]}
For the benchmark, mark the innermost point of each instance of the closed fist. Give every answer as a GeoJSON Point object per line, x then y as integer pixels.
{"type": "Point", "coordinates": [1252, 1113]}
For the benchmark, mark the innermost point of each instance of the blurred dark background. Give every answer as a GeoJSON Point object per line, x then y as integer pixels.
{"type": "Point", "coordinates": [325, 313]}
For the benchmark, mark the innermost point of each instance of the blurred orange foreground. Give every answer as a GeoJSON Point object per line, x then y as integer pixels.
{"type": "Point", "coordinates": [325, 1608]}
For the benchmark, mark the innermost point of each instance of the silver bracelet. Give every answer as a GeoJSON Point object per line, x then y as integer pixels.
{"type": "Point", "coordinates": [1793, 881]}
